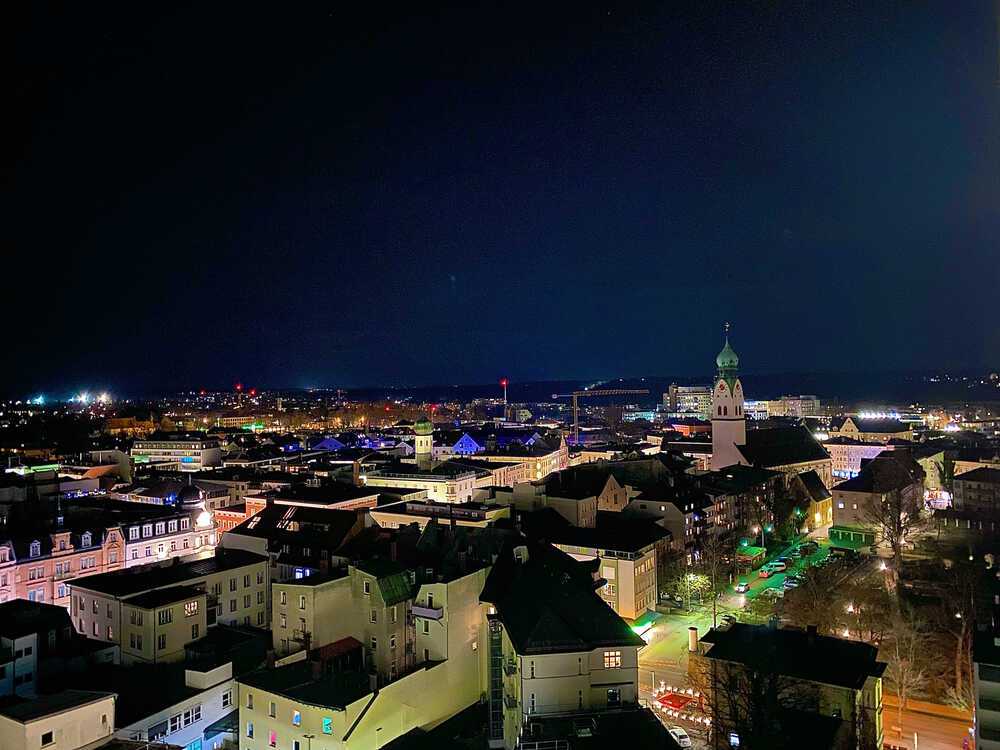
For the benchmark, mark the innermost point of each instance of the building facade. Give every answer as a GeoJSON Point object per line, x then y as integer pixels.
{"type": "Point", "coordinates": [729, 430]}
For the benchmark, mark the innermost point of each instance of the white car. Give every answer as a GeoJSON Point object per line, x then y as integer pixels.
{"type": "Point", "coordinates": [680, 736]}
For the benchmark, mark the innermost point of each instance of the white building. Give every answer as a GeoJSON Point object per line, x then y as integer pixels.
{"type": "Point", "coordinates": [189, 453]}
{"type": "Point", "coordinates": [70, 720]}
{"type": "Point", "coordinates": [729, 427]}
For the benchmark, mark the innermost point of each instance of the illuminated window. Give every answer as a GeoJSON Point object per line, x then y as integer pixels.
{"type": "Point", "coordinates": [327, 725]}
{"type": "Point", "coordinates": [296, 718]}
{"type": "Point", "coordinates": [191, 608]}
{"type": "Point", "coordinates": [272, 738]}
{"type": "Point", "coordinates": [612, 659]}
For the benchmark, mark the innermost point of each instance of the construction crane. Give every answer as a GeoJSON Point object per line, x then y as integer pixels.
{"type": "Point", "coordinates": [575, 395]}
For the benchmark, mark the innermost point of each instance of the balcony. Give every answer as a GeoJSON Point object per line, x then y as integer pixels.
{"type": "Point", "coordinates": [510, 668]}
{"type": "Point", "coordinates": [510, 702]}
{"type": "Point", "coordinates": [428, 613]}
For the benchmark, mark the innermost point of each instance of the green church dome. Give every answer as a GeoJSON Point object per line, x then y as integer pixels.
{"type": "Point", "coordinates": [423, 426]}
{"type": "Point", "coordinates": [727, 359]}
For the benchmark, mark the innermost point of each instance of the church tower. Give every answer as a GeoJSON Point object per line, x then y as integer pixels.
{"type": "Point", "coordinates": [423, 442]}
{"type": "Point", "coordinates": [729, 427]}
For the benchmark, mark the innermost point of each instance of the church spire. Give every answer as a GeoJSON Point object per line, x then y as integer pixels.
{"type": "Point", "coordinates": [727, 361]}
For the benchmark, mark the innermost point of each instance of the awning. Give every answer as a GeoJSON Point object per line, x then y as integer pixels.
{"type": "Point", "coordinates": [644, 623]}
{"type": "Point", "coordinates": [674, 701]}
{"type": "Point", "coordinates": [230, 723]}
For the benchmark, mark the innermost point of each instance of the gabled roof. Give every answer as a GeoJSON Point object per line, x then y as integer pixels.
{"type": "Point", "coordinates": [782, 446]}
{"type": "Point", "coordinates": [577, 483]}
{"type": "Point", "coordinates": [881, 426]}
{"type": "Point", "coordinates": [887, 472]}
{"type": "Point", "coordinates": [392, 579]}
{"type": "Point", "coordinates": [735, 479]}
{"type": "Point", "coordinates": [814, 487]}
{"type": "Point", "coordinates": [547, 603]}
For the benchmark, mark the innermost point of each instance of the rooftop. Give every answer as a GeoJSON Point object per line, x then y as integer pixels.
{"type": "Point", "coordinates": [796, 653]}
{"type": "Point", "coordinates": [161, 597]}
{"type": "Point", "coordinates": [123, 583]}
{"type": "Point", "coordinates": [23, 710]}
{"type": "Point", "coordinates": [782, 446]}
{"type": "Point", "coordinates": [547, 602]}
{"type": "Point", "coordinates": [298, 682]}
{"type": "Point", "coordinates": [982, 474]}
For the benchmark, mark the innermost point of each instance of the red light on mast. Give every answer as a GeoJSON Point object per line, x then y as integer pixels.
{"type": "Point", "coordinates": [239, 386]}
{"type": "Point", "coordinates": [253, 391]}
{"type": "Point", "coordinates": [503, 382]}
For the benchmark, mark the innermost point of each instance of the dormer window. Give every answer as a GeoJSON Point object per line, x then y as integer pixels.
{"type": "Point", "coordinates": [85, 539]}
{"type": "Point", "coordinates": [35, 550]}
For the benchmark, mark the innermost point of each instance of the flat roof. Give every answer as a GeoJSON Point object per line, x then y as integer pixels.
{"type": "Point", "coordinates": [24, 710]}
{"type": "Point", "coordinates": [123, 583]}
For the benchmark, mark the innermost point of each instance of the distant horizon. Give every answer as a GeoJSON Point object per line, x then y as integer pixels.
{"type": "Point", "coordinates": [811, 380]}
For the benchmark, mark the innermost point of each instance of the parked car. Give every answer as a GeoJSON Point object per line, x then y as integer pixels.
{"type": "Point", "coordinates": [765, 572]}
{"type": "Point", "coordinates": [680, 736]}
{"type": "Point", "coordinates": [671, 600]}
{"type": "Point", "coordinates": [779, 566]}
{"type": "Point", "coordinates": [791, 582]}
{"type": "Point", "coordinates": [728, 619]}
{"type": "Point", "coordinates": [742, 587]}
{"type": "Point", "coordinates": [775, 592]}
{"type": "Point", "coordinates": [809, 548]}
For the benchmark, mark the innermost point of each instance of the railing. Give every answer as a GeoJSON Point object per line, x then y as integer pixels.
{"type": "Point", "coordinates": [510, 668]}
{"type": "Point", "coordinates": [430, 613]}
{"type": "Point", "coordinates": [543, 745]}
{"type": "Point", "coordinates": [573, 709]}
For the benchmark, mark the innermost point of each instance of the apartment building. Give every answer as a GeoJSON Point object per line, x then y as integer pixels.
{"type": "Point", "coordinates": [404, 513]}
{"type": "Point", "coordinates": [337, 692]}
{"type": "Point", "coordinates": [67, 720]}
{"type": "Point", "coordinates": [871, 430]}
{"type": "Point", "coordinates": [188, 452]}
{"type": "Point", "coordinates": [626, 547]}
{"type": "Point", "coordinates": [555, 648]}
{"type": "Point", "coordinates": [824, 691]}
{"type": "Point", "coordinates": [170, 600]}
{"type": "Point", "coordinates": [39, 647]}
{"type": "Point", "coordinates": [977, 491]}
{"type": "Point", "coordinates": [890, 473]}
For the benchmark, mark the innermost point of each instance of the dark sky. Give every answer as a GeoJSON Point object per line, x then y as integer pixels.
{"type": "Point", "coordinates": [291, 194]}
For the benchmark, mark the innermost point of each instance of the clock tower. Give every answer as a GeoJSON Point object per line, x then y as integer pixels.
{"type": "Point", "coordinates": [729, 427]}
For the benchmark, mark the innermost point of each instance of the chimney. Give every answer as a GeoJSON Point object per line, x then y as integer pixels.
{"type": "Point", "coordinates": [269, 657]}
{"type": "Point", "coordinates": [317, 669]}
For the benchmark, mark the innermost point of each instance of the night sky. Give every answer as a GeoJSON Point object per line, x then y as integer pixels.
{"type": "Point", "coordinates": [291, 194]}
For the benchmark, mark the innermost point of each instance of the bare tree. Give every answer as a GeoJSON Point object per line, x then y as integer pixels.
{"type": "Point", "coordinates": [894, 517]}
{"type": "Point", "coordinates": [813, 602]}
{"type": "Point", "coordinates": [716, 564]}
{"type": "Point", "coordinates": [751, 703]}
{"type": "Point", "coordinates": [955, 614]}
{"type": "Point", "coordinates": [907, 656]}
